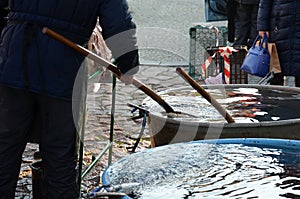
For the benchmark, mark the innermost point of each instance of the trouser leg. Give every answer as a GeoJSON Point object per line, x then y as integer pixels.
{"type": "Point", "coordinates": [253, 25]}
{"type": "Point", "coordinates": [297, 81]}
{"type": "Point", "coordinates": [245, 24]}
{"type": "Point", "coordinates": [16, 115]}
{"type": "Point", "coordinates": [230, 16]}
{"type": "Point", "coordinates": [57, 146]}
{"type": "Point", "coordinates": [278, 79]}
{"type": "Point", "coordinates": [241, 24]}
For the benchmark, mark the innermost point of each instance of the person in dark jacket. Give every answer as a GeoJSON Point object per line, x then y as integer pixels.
{"type": "Point", "coordinates": [281, 21]}
{"type": "Point", "coordinates": [245, 22]}
{"type": "Point", "coordinates": [37, 76]}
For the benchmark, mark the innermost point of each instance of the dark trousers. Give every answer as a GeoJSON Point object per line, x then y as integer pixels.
{"type": "Point", "coordinates": [245, 24]}
{"type": "Point", "coordinates": [57, 139]}
{"type": "Point", "coordinates": [230, 11]}
{"type": "Point", "coordinates": [278, 79]}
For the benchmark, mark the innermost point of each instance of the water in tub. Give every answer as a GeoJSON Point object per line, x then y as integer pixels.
{"type": "Point", "coordinates": [208, 170]}
{"type": "Point", "coordinates": [243, 104]}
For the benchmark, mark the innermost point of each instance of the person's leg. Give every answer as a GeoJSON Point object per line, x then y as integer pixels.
{"type": "Point", "coordinates": [230, 9]}
{"type": "Point", "coordinates": [57, 147]}
{"type": "Point", "coordinates": [16, 115]}
{"type": "Point", "coordinates": [242, 24]}
{"type": "Point", "coordinates": [297, 81]}
{"type": "Point", "coordinates": [253, 25]}
{"type": "Point", "coordinates": [278, 79]}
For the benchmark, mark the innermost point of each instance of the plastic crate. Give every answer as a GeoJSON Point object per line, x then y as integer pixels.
{"type": "Point", "coordinates": [202, 37]}
{"type": "Point", "coordinates": [237, 76]}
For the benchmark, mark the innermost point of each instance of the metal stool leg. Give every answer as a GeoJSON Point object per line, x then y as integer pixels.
{"type": "Point", "coordinates": [108, 147]}
{"type": "Point", "coordinates": [112, 119]}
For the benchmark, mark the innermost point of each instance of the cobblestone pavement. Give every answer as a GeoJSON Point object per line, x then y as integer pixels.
{"type": "Point", "coordinates": [155, 77]}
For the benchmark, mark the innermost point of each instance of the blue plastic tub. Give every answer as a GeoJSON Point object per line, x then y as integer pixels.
{"type": "Point", "coordinates": [273, 155]}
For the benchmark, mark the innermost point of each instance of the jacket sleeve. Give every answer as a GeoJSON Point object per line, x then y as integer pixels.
{"type": "Point", "coordinates": [119, 32]}
{"type": "Point", "coordinates": [263, 16]}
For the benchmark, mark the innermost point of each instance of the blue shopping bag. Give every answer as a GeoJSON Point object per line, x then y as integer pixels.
{"type": "Point", "coordinates": [257, 60]}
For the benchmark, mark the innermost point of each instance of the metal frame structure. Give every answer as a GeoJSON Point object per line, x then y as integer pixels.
{"type": "Point", "coordinates": [109, 146]}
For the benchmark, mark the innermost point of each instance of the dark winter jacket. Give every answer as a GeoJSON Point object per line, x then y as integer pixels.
{"type": "Point", "coordinates": [32, 60]}
{"type": "Point", "coordinates": [282, 19]}
{"type": "Point", "coordinates": [248, 2]}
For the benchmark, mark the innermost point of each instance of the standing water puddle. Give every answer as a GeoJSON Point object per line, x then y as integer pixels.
{"type": "Point", "coordinates": [210, 170]}
{"type": "Point", "coordinates": [243, 104]}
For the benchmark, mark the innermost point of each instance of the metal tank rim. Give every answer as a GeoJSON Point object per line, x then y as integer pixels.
{"type": "Point", "coordinates": [163, 129]}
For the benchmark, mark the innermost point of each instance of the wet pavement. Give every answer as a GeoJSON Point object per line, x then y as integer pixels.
{"type": "Point", "coordinates": [163, 36]}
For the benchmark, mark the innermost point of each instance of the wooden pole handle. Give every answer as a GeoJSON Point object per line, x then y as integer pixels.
{"type": "Point", "coordinates": [206, 95]}
{"type": "Point", "coordinates": [109, 66]}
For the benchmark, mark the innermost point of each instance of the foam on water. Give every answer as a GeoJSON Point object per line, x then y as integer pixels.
{"type": "Point", "coordinates": [207, 170]}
